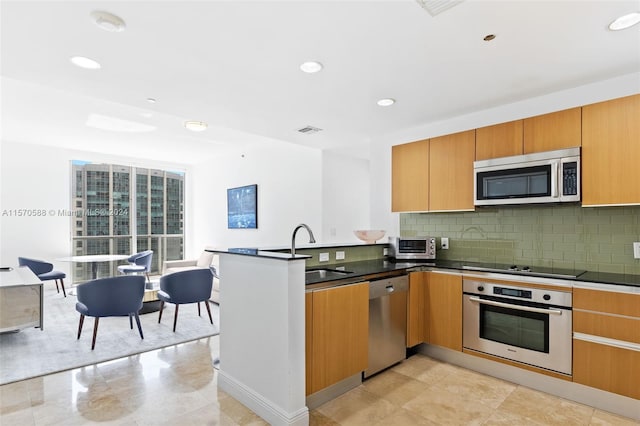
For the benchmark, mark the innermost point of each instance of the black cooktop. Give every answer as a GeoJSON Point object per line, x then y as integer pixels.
{"type": "Point", "coordinates": [535, 271]}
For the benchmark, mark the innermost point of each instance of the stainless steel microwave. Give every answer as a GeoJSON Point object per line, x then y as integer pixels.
{"type": "Point", "coordinates": [419, 248]}
{"type": "Point", "coordinates": [542, 177]}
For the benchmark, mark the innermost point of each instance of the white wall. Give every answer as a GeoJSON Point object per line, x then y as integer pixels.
{"type": "Point", "coordinates": [381, 216]}
{"type": "Point", "coordinates": [295, 185]}
{"type": "Point", "coordinates": [345, 197]}
{"type": "Point", "coordinates": [289, 180]}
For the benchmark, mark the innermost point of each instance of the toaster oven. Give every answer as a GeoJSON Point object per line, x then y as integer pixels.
{"type": "Point", "coordinates": [418, 248]}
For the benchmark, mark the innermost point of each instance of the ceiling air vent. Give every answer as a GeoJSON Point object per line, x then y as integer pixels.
{"type": "Point", "coordinates": [309, 130]}
{"type": "Point", "coordinates": [435, 7]}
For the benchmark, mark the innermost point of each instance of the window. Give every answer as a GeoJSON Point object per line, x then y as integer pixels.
{"type": "Point", "coordinates": [126, 210]}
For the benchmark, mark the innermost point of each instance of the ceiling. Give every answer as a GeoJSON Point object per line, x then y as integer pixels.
{"type": "Point", "coordinates": [235, 65]}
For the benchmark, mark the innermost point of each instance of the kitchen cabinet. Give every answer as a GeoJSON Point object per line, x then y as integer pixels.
{"type": "Point", "coordinates": [451, 172]}
{"type": "Point", "coordinates": [500, 140]}
{"type": "Point", "coordinates": [557, 130]}
{"type": "Point", "coordinates": [610, 152]}
{"type": "Point", "coordinates": [444, 309]}
{"type": "Point", "coordinates": [410, 176]}
{"type": "Point", "coordinates": [606, 340]}
{"type": "Point", "coordinates": [337, 334]}
{"type": "Point", "coordinates": [417, 331]}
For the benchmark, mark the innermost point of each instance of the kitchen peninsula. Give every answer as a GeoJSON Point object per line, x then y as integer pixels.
{"type": "Point", "coordinates": [263, 336]}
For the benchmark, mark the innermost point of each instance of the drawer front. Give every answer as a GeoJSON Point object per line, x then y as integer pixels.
{"type": "Point", "coordinates": [606, 367]}
{"type": "Point", "coordinates": [614, 327]}
{"type": "Point", "coordinates": [607, 302]}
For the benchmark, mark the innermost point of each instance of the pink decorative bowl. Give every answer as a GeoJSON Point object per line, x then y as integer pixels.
{"type": "Point", "coordinates": [369, 236]}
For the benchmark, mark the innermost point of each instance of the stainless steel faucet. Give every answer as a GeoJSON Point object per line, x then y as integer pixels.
{"type": "Point", "coordinates": [293, 237]}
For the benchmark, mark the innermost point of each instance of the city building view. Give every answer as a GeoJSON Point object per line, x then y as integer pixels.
{"type": "Point", "coordinates": [123, 210]}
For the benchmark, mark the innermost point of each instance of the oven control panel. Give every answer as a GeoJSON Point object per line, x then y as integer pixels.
{"type": "Point", "coordinates": [530, 294]}
{"type": "Point", "coordinates": [513, 292]}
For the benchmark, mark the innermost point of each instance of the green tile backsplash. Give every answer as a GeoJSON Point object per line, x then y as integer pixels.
{"type": "Point", "coordinates": [567, 236]}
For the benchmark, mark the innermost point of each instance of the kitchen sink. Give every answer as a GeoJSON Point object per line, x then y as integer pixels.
{"type": "Point", "coordinates": [325, 273]}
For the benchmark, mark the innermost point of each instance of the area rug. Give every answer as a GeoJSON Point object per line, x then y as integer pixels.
{"type": "Point", "coordinates": [33, 352]}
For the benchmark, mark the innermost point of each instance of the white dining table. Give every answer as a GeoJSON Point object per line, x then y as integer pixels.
{"type": "Point", "coordinates": [94, 259]}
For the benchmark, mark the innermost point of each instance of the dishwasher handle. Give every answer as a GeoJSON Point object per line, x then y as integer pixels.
{"type": "Point", "coordinates": [388, 286]}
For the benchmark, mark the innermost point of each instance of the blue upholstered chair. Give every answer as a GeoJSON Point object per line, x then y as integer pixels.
{"type": "Point", "coordinates": [110, 297]}
{"type": "Point", "coordinates": [44, 271]}
{"type": "Point", "coordinates": [139, 262]}
{"type": "Point", "coordinates": [190, 286]}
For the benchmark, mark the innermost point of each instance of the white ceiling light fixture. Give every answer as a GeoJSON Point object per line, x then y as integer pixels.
{"type": "Point", "coordinates": [311, 67]}
{"type": "Point", "coordinates": [151, 100]}
{"type": "Point", "coordinates": [86, 63]}
{"type": "Point", "coordinates": [625, 21]}
{"type": "Point", "coordinates": [195, 126]}
{"type": "Point", "coordinates": [386, 102]}
{"type": "Point", "coordinates": [108, 21]}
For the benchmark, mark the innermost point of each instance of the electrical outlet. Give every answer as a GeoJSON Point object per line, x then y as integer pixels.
{"type": "Point", "coordinates": [444, 243]}
{"type": "Point", "coordinates": [339, 255]}
{"type": "Point", "coordinates": [636, 250]}
{"type": "Point", "coordinates": [324, 257]}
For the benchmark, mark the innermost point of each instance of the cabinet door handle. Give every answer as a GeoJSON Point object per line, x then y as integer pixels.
{"type": "Point", "coordinates": [554, 178]}
{"type": "Point", "coordinates": [517, 307]}
{"type": "Point", "coordinates": [621, 344]}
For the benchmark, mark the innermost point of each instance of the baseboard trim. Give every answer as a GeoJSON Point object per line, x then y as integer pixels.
{"type": "Point", "coordinates": [264, 408]}
{"type": "Point", "coordinates": [593, 397]}
{"type": "Point", "coordinates": [327, 394]}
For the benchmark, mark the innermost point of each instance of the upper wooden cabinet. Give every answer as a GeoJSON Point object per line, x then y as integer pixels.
{"type": "Point", "coordinates": [451, 171]}
{"type": "Point", "coordinates": [557, 130]}
{"type": "Point", "coordinates": [500, 140]}
{"type": "Point", "coordinates": [611, 152]}
{"type": "Point", "coordinates": [410, 177]}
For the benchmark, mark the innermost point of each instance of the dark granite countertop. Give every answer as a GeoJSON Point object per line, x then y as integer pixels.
{"type": "Point", "coordinates": [378, 266]}
{"type": "Point", "coordinates": [359, 269]}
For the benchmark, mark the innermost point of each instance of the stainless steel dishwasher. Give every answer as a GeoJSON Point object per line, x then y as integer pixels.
{"type": "Point", "coordinates": [387, 323]}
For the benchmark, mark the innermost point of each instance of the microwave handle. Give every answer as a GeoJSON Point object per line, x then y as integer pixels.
{"type": "Point", "coordinates": [554, 179]}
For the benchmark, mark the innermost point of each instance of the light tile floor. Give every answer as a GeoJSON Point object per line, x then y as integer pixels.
{"type": "Point", "coordinates": [178, 386]}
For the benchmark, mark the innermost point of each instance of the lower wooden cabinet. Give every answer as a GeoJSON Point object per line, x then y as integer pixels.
{"type": "Point", "coordinates": [444, 310]}
{"type": "Point", "coordinates": [417, 330]}
{"type": "Point", "coordinates": [337, 334]}
{"type": "Point", "coordinates": [606, 367]}
{"type": "Point", "coordinates": [606, 341]}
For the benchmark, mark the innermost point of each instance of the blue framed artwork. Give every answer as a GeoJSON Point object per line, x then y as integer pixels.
{"type": "Point", "coordinates": [242, 207]}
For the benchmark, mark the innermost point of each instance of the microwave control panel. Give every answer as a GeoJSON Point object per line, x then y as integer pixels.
{"type": "Point", "coordinates": [570, 178]}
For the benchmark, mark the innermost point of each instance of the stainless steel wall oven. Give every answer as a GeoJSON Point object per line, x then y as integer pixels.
{"type": "Point", "coordinates": [528, 325]}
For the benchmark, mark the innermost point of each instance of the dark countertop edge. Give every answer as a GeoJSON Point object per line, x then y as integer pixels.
{"type": "Point", "coordinates": [260, 253]}
{"type": "Point", "coordinates": [368, 267]}
{"type": "Point", "coordinates": [279, 252]}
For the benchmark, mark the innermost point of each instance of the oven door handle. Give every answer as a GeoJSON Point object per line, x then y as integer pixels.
{"type": "Point", "coordinates": [516, 307]}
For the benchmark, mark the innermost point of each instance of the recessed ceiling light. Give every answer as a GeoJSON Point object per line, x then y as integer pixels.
{"type": "Point", "coordinates": [151, 100]}
{"type": "Point", "coordinates": [86, 63]}
{"type": "Point", "coordinates": [625, 21]}
{"type": "Point", "coordinates": [195, 126]}
{"type": "Point", "coordinates": [311, 67]}
{"type": "Point", "coordinates": [386, 102]}
{"type": "Point", "coordinates": [108, 21]}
